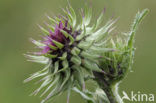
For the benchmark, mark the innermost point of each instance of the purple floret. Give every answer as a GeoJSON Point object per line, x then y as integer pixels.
{"type": "Point", "coordinates": [57, 36]}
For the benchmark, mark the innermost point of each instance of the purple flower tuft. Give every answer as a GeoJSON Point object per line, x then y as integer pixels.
{"type": "Point", "coordinates": [57, 35]}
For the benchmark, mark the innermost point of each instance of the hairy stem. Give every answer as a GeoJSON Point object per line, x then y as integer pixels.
{"type": "Point", "coordinates": [110, 95]}
{"type": "Point", "coordinates": [116, 93]}
{"type": "Point", "coordinates": [110, 90]}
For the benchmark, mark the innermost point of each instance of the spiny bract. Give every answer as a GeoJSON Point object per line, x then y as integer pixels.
{"type": "Point", "coordinates": [74, 51]}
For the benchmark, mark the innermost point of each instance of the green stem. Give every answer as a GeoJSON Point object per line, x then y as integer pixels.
{"type": "Point", "coordinates": [111, 91]}
{"type": "Point", "coordinates": [110, 95]}
{"type": "Point", "coordinates": [116, 93]}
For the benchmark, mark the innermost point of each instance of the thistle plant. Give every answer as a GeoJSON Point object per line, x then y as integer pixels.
{"type": "Point", "coordinates": [75, 50]}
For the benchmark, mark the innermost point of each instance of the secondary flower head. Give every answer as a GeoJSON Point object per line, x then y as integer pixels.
{"type": "Point", "coordinates": [75, 51]}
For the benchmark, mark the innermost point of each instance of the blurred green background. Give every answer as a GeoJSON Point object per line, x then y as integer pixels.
{"type": "Point", "coordinates": [18, 22]}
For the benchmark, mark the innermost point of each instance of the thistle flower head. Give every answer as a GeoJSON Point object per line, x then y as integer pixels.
{"type": "Point", "coordinates": [73, 51]}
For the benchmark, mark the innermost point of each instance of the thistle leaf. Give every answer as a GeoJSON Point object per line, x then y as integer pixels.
{"type": "Point", "coordinates": [137, 21]}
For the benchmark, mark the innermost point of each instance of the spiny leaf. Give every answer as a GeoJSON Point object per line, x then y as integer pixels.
{"type": "Point", "coordinates": [137, 20]}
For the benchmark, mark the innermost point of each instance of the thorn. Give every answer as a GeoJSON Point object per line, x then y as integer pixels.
{"type": "Point", "coordinates": [104, 10]}
{"type": "Point", "coordinates": [39, 26]}
{"type": "Point", "coordinates": [113, 16]}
